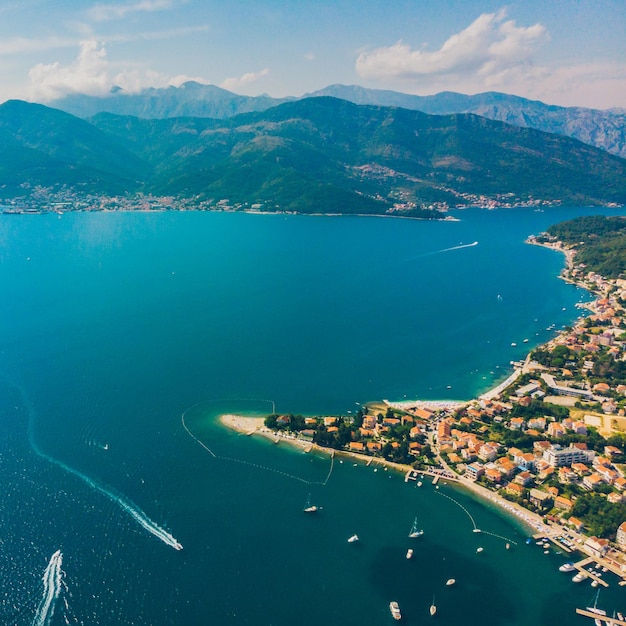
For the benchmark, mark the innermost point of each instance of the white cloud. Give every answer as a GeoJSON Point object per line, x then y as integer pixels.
{"type": "Point", "coordinates": [105, 12]}
{"type": "Point", "coordinates": [92, 74]}
{"type": "Point", "coordinates": [250, 77]}
{"type": "Point", "coordinates": [309, 56]}
{"type": "Point", "coordinates": [489, 46]}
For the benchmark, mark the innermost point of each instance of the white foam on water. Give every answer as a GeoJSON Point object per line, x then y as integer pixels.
{"type": "Point", "coordinates": [52, 580]}
{"type": "Point", "coordinates": [124, 503]}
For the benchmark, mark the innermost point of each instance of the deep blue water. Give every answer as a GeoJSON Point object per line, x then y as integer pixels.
{"type": "Point", "coordinates": [112, 325]}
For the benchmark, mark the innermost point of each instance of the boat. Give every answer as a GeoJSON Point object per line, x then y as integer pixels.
{"type": "Point", "coordinates": [414, 532]}
{"type": "Point", "coordinates": [594, 609]}
{"type": "Point", "coordinates": [594, 583]}
{"type": "Point", "coordinates": [508, 546]}
{"type": "Point", "coordinates": [579, 577]}
{"type": "Point", "coordinates": [433, 608]}
{"type": "Point", "coordinates": [409, 553]}
{"type": "Point", "coordinates": [308, 507]}
{"type": "Point", "coordinates": [450, 582]}
{"type": "Point", "coordinates": [354, 538]}
{"type": "Point", "coordinates": [395, 610]}
{"type": "Point", "coordinates": [513, 345]}
{"type": "Point", "coordinates": [567, 567]}
{"type": "Point", "coordinates": [479, 549]}
{"type": "Point", "coordinates": [419, 483]}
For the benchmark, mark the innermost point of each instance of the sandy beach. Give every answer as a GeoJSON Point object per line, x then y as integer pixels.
{"type": "Point", "coordinates": [255, 426]}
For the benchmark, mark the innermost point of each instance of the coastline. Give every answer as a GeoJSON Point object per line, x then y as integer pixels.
{"type": "Point", "coordinates": [255, 426]}
{"type": "Point", "coordinates": [530, 520]}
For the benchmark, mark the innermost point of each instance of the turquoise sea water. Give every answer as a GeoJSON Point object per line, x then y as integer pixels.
{"type": "Point", "coordinates": [114, 325]}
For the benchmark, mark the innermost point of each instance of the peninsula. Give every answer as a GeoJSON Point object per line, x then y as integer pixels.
{"type": "Point", "coordinates": [547, 445]}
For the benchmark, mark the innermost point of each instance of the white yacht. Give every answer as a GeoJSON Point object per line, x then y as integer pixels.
{"type": "Point", "coordinates": [395, 610]}
{"type": "Point", "coordinates": [354, 538]}
{"type": "Point", "coordinates": [409, 553]}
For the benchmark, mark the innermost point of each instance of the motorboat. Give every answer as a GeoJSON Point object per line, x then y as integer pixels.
{"type": "Point", "coordinates": [395, 611]}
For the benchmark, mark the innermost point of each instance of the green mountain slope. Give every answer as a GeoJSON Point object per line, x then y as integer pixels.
{"type": "Point", "coordinates": [313, 155]}
{"type": "Point", "coordinates": [43, 146]}
{"type": "Point", "coordinates": [602, 129]}
{"type": "Point", "coordinates": [381, 153]}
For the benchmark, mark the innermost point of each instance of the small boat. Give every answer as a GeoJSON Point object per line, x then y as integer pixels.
{"type": "Point", "coordinates": [354, 538]}
{"type": "Point", "coordinates": [395, 610]}
{"type": "Point", "coordinates": [579, 577]}
{"type": "Point", "coordinates": [433, 608]}
{"type": "Point", "coordinates": [479, 549]}
{"type": "Point", "coordinates": [409, 553]}
{"type": "Point", "coordinates": [508, 546]}
{"type": "Point", "coordinates": [594, 583]}
{"type": "Point", "coordinates": [419, 483]}
{"type": "Point", "coordinates": [513, 345]}
{"type": "Point", "coordinates": [414, 532]}
{"type": "Point", "coordinates": [529, 541]}
{"type": "Point", "coordinates": [450, 582]}
{"type": "Point", "coordinates": [308, 507]}
{"type": "Point", "coordinates": [567, 567]}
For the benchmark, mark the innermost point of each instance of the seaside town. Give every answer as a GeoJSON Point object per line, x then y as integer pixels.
{"type": "Point", "coordinates": [45, 200]}
{"type": "Point", "coordinates": [548, 444]}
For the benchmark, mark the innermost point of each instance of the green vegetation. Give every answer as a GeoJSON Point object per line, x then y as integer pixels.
{"type": "Point", "coordinates": [317, 155]}
{"type": "Point", "coordinates": [601, 517]}
{"type": "Point", "coordinates": [599, 241]}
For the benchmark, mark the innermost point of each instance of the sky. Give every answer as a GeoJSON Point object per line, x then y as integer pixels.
{"type": "Point", "coordinates": [563, 52]}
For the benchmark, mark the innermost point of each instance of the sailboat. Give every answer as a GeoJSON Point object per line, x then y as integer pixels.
{"type": "Point", "coordinates": [594, 609]}
{"type": "Point", "coordinates": [308, 507]}
{"type": "Point", "coordinates": [414, 531]}
{"type": "Point", "coordinates": [433, 608]}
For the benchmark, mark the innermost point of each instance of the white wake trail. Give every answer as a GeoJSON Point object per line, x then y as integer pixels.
{"type": "Point", "coordinates": [464, 245]}
{"type": "Point", "coordinates": [52, 580]}
{"type": "Point", "coordinates": [124, 503]}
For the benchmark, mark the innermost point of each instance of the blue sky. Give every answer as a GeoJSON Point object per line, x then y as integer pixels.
{"type": "Point", "coordinates": [565, 52]}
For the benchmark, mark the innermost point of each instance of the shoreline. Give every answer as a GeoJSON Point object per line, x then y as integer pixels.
{"type": "Point", "coordinates": [528, 519]}
{"type": "Point", "coordinates": [255, 426]}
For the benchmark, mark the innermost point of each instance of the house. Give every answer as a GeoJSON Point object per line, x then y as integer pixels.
{"type": "Point", "coordinates": [593, 481]}
{"type": "Point", "coordinates": [330, 421]}
{"type": "Point", "coordinates": [474, 471]}
{"type": "Point", "coordinates": [516, 423]}
{"type": "Point", "coordinates": [374, 446]}
{"type": "Point", "coordinates": [611, 451]}
{"type": "Point", "coordinates": [563, 503]}
{"type": "Point", "coordinates": [620, 484]}
{"type": "Point", "coordinates": [357, 446]}
{"type": "Point", "coordinates": [555, 429]}
{"type": "Point", "coordinates": [540, 499]}
{"type": "Point", "coordinates": [575, 523]}
{"type": "Point", "coordinates": [515, 490]}
{"type": "Point", "coordinates": [597, 547]}
{"type": "Point", "coordinates": [524, 479]}
{"type": "Point", "coordinates": [621, 536]}
{"type": "Point", "coordinates": [488, 451]}
{"type": "Point", "coordinates": [493, 475]}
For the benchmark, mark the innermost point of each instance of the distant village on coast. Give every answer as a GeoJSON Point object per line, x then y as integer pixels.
{"type": "Point", "coordinates": [550, 440]}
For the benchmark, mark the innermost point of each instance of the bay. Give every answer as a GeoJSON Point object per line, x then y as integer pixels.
{"type": "Point", "coordinates": [115, 325]}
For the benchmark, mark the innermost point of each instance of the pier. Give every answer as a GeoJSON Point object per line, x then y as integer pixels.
{"type": "Point", "coordinates": [580, 566]}
{"type": "Point", "coordinates": [605, 619]}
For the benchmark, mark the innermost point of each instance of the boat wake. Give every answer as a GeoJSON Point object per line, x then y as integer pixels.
{"type": "Point", "coordinates": [52, 581]}
{"type": "Point", "coordinates": [460, 247]}
{"type": "Point", "coordinates": [124, 503]}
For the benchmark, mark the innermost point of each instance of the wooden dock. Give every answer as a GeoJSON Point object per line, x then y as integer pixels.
{"type": "Point", "coordinates": [605, 619]}
{"type": "Point", "coordinates": [580, 566]}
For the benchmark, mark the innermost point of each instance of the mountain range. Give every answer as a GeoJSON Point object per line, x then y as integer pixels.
{"type": "Point", "coordinates": [602, 129]}
{"type": "Point", "coordinates": [318, 154]}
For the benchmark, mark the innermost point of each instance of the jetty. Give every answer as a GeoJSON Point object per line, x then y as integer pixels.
{"type": "Point", "coordinates": [604, 619]}
{"type": "Point", "coordinates": [580, 566]}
